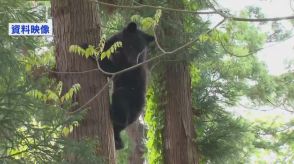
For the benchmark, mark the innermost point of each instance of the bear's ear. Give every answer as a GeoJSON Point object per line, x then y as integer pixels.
{"type": "Point", "coordinates": [132, 27]}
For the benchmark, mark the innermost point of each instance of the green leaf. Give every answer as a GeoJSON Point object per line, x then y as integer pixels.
{"type": "Point", "coordinates": [111, 50]}
{"type": "Point", "coordinates": [157, 16]}
{"type": "Point", "coordinates": [68, 96]}
{"type": "Point", "coordinates": [203, 38]}
{"type": "Point", "coordinates": [147, 23]}
{"type": "Point", "coordinates": [77, 49]}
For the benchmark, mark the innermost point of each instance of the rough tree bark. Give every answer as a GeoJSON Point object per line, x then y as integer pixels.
{"type": "Point", "coordinates": [136, 134]}
{"type": "Point", "coordinates": [179, 130]}
{"type": "Point", "coordinates": [76, 22]}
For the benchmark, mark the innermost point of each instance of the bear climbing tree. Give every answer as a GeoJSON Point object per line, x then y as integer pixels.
{"type": "Point", "coordinates": [129, 88]}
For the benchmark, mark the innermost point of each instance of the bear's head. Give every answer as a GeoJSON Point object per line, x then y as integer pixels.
{"type": "Point", "coordinates": [134, 43]}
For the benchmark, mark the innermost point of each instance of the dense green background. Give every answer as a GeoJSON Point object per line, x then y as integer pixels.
{"type": "Point", "coordinates": [225, 73]}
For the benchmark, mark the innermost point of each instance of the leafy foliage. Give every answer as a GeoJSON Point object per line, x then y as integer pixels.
{"type": "Point", "coordinates": [123, 155]}
{"type": "Point", "coordinates": [154, 117]}
{"type": "Point", "coordinates": [224, 71]}
{"type": "Point", "coordinates": [33, 117]}
{"type": "Point", "coordinates": [97, 52]}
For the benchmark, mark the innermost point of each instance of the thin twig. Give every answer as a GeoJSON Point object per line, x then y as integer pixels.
{"type": "Point", "coordinates": [17, 153]}
{"type": "Point", "coordinates": [81, 108]}
{"type": "Point", "coordinates": [258, 19]}
{"type": "Point", "coordinates": [240, 56]}
{"type": "Point", "coordinates": [143, 52]}
{"type": "Point", "coordinates": [153, 7]}
{"type": "Point", "coordinates": [72, 72]}
{"type": "Point", "coordinates": [138, 65]}
{"type": "Point", "coordinates": [156, 41]}
{"type": "Point", "coordinates": [233, 18]}
{"type": "Point", "coordinates": [168, 52]}
{"type": "Point", "coordinates": [215, 11]}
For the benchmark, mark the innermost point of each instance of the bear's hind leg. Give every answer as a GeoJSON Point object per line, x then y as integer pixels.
{"type": "Point", "coordinates": [117, 139]}
{"type": "Point", "coordinates": [120, 112]}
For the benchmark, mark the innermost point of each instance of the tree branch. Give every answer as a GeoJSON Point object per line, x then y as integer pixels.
{"type": "Point", "coordinates": [140, 6]}
{"type": "Point", "coordinates": [138, 65]}
{"type": "Point", "coordinates": [233, 18]}
{"type": "Point", "coordinates": [82, 108]}
{"type": "Point", "coordinates": [232, 54]}
{"type": "Point", "coordinates": [215, 11]}
{"type": "Point", "coordinates": [259, 19]}
{"type": "Point", "coordinates": [71, 72]}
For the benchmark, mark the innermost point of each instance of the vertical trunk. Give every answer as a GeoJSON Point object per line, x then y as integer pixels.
{"type": "Point", "coordinates": [76, 22]}
{"type": "Point", "coordinates": [179, 131]}
{"type": "Point", "coordinates": [136, 133]}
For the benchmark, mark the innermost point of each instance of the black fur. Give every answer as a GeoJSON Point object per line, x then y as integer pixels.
{"type": "Point", "coordinates": [129, 88]}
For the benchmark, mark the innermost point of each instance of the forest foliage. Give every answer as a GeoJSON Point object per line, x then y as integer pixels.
{"type": "Point", "coordinates": [225, 73]}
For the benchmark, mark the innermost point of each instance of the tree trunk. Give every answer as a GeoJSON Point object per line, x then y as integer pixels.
{"type": "Point", "coordinates": [136, 134]}
{"type": "Point", "coordinates": [179, 131]}
{"type": "Point", "coordinates": [77, 22]}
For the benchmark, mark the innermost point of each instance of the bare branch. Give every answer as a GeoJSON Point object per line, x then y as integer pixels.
{"type": "Point", "coordinates": [215, 11]}
{"type": "Point", "coordinates": [258, 19]}
{"type": "Point", "coordinates": [82, 108]}
{"type": "Point", "coordinates": [164, 53]}
{"type": "Point", "coordinates": [281, 106]}
{"type": "Point", "coordinates": [226, 15]}
{"type": "Point", "coordinates": [138, 65]}
{"type": "Point", "coordinates": [71, 72]}
{"type": "Point", "coordinates": [146, 61]}
{"type": "Point", "coordinates": [156, 40]}
{"type": "Point", "coordinates": [232, 54]}
{"type": "Point", "coordinates": [12, 155]}
{"type": "Point", "coordinates": [140, 6]}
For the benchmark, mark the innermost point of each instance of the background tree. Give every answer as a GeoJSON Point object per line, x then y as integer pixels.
{"type": "Point", "coordinates": [77, 22]}
{"type": "Point", "coordinates": [179, 129]}
{"type": "Point", "coordinates": [225, 74]}
{"type": "Point", "coordinates": [33, 118]}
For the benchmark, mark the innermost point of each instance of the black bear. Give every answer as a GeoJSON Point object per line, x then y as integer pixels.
{"type": "Point", "coordinates": [129, 88]}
